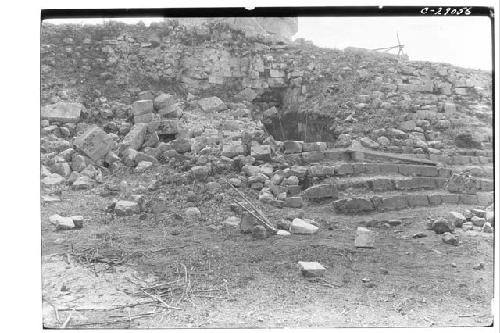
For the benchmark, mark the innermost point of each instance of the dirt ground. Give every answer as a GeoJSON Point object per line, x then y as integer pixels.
{"type": "Point", "coordinates": [111, 272]}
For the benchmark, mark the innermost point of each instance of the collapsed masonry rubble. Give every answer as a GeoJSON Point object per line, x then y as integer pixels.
{"type": "Point", "coordinates": [360, 131]}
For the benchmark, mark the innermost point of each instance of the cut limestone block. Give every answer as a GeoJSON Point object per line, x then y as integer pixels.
{"type": "Point", "coordinates": [95, 143]}
{"type": "Point", "coordinates": [300, 226]}
{"type": "Point", "coordinates": [63, 112]}
{"type": "Point", "coordinates": [135, 138]}
{"type": "Point", "coordinates": [61, 222]}
{"type": "Point", "coordinates": [321, 191]}
{"type": "Point", "coordinates": [311, 268]}
{"type": "Point", "coordinates": [125, 208]}
{"type": "Point", "coordinates": [364, 238]}
{"type": "Point", "coordinates": [457, 218]}
{"type": "Point", "coordinates": [142, 107]}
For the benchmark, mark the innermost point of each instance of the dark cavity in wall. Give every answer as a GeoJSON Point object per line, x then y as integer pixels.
{"type": "Point", "coordinates": [166, 137]}
{"type": "Point", "coordinates": [290, 123]}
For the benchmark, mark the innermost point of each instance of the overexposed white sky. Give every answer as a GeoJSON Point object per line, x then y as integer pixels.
{"type": "Point", "coordinates": [461, 41]}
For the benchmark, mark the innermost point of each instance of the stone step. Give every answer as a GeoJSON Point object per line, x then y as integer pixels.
{"type": "Point", "coordinates": [357, 169]}
{"type": "Point", "coordinates": [476, 171]}
{"type": "Point", "coordinates": [390, 202]}
{"type": "Point", "coordinates": [462, 159]}
{"type": "Point", "coordinates": [384, 183]}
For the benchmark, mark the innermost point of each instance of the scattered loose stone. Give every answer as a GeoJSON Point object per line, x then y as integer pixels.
{"type": "Point", "coordinates": [232, 221]}
{"type": "Point", "coordinates": [467, 226]}
{"type": "Point", "coordinates": [449, 238]}
{"type": "Point", "coordinates": [283, 233]}
{"type": "Point", "coordinates": [300, 226]}
{"type": "Point", "coordinates": [487, 228]}
{"type": "Point", "coordinates": [127, 208]}
{"type": "Point", "coordinates": [311, 269]}
{"type": "Point", "coordinates": [453, 265]}
{"type": "Point", "coordinates": [478, 212]}
{"type": "Point", "coordinates": [479, 266]}
{"type": "Point", "coordinates": [442, 225]}
{"type": "Point", "coordinates": [457, 219]}
{"type": "Point", "coordinates": [62, 222]}
{"type": "Point", "coordinates": [478, 221]}
{"type": "Point", "coordinates": [259, 232]}
{"type": "Point", "coordinates": [143, 165]}
{"type": "Point", "coordinates": [284, 225]}
{"type": "Point", "coordinates": [192, 214]}
{"type": "Point", "coordinates": [419, 235]}
{"type": "Point", "coordinates": [365, 238]}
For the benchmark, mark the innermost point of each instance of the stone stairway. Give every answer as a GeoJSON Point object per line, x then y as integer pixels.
{"type": "Point", "coordinates": [383, 182]}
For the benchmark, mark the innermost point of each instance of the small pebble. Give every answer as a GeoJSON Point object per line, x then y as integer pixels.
{"type": "Point", "coordinates": [478, 266]}
{"type": "Point", "coordinates": [453, 264]}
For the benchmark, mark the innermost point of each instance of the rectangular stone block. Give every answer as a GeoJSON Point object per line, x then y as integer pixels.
{"type": "Point", "coordinates": [62, 111]}
{"type": "Point", "coordinates": [142, 107]}
{"type": "Point", "coordinates": [372, 168]}
{"type": "Point", "coordinates": [94, 142]}
{"type": "Point", "coordinates": [450, 198]}
{"type": "Point", "coordinates": [485, 198]}
{"type": "Point", "coordinates": [143, 118]}
{"type": "Point", "coordinates": [135, 137]}
{"type": "Point", "coordinates": [382, 184]}
{"type": "Point", "coordinates": [418, 170]}
{"type": "Point", "coordinates": [261, 152]}
{"type": "Point", "coordinates": [417, 200]}
{"type": "Point", "coordinates": [468, 199]}
{"type": "Point", "coordinates": [435, 199]}
{"type": "Point", "coordinates": [321, 171]}
{"type": "Point", "coordinates": [444, 172]}
{"type": "Point", "coordinates": [311, 269]}
{"type": "Point", "coordinates": [358, 168]}
{"type": "Point", "coordinates": [344, 169]}
{"type": "Point", "coordinates": [292, 147]}
{"type": "Point", "coordinates": [388, 168]}
{"type": "Point", "coordinates": [293, 190]}
{"type": "Point", "coordinates": [335, 155]}
{"type": "Point", "coordinates": [314, 146]}
{"type": "Point", "coordinates": [392, 203]}
{"type": "Point", "coordinates": [313, 156]}
{"type": "Point", "coordinates": [321, 191]}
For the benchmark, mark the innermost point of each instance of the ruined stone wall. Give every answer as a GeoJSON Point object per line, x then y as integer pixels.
{"type": "Point", "coordinates": [318, 93]}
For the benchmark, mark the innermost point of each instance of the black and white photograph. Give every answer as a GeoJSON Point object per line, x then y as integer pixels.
{"type": "Point", "coordinates": [281, 167]}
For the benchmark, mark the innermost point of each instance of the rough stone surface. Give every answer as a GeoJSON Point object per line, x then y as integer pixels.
{"type": "Point", "coordinates": [364, 238]}
{"type": "Point", "coordinates": [457, 219]}
{"type": "Point", "coordinates": [95, 143]}
{"type": "Point", "coordinates": [127, 208]}
{"type": "Point", "coordinates": [135, 138]}
{"type": "Point", "coordinates": [210, 104]}
{"type": "Point", "coordinates": [311, 269]}
{"type": "Point", "coordinates": [450, 239]}
{"type": "Point", "coordinates": [442, 225]}
{"type": "Point", "coordinates": [300, 226]}
{"type": "Point", "coordinates": [63, 112]}
{"type": "Point", "coordinates": [321, 191]}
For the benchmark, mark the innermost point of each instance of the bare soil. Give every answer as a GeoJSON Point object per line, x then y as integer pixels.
{"type": "Point", "coordinates": [220, 278]}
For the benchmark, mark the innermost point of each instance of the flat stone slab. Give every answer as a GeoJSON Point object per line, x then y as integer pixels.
{"type": "Point", "coordinates": [125, 208]}
{"type": "Point", "coordinates": [63, 112]}
{"type": "Point", "coordinates": [321, 191]}
{"type": "Point", "coordinates": [365, 238]}
{"type": "Point", "coordinates": [311, 268]}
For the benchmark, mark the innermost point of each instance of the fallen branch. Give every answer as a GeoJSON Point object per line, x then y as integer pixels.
{"type": "Point", "coordinates": [256, 211]}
